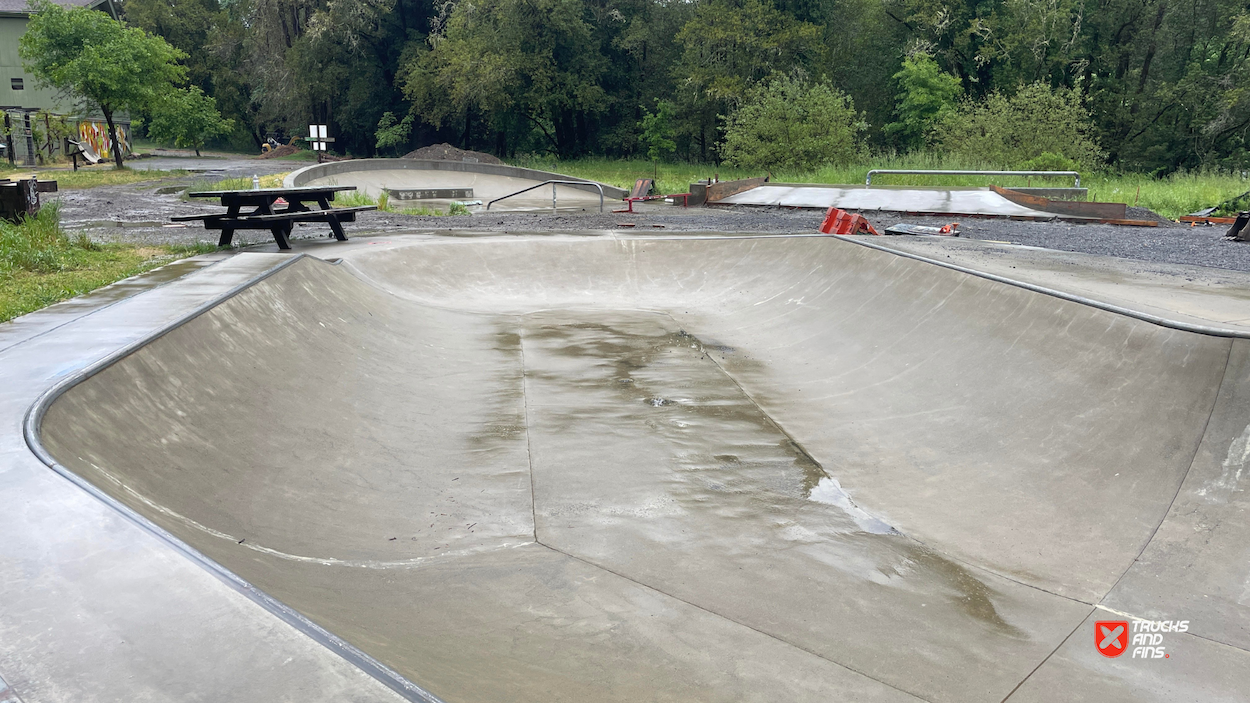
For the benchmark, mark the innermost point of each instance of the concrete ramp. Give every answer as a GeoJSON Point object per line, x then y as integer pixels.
{"type": "Point", "coordinates": [953, 201]}
{"type": "Point", "coordinates": [720, 469]}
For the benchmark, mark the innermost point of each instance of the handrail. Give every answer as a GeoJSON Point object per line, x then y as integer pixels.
{"type": "Point", "coordinates": [553, 185]}
{"type": "Point", "coordinates": [1074, 174]}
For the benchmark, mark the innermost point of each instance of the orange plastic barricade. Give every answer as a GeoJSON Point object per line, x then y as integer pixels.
{"type": "Point", "coordinates": [842, 222]}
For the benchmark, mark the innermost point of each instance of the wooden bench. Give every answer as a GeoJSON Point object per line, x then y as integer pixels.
{"type": "Point", "coordinates": [280, 221]}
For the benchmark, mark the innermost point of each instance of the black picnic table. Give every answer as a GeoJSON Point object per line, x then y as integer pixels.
{"type": "Point", "coordinates": [266, 214]}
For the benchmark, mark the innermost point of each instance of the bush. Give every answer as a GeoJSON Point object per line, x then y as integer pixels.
{"type": "Point", "coordinates": [1037, 125]}
{"type": "Point", "coordinates": [791, 124]}
{"type": "Point", "coordinates": [657, 130]}
{"type": "Point", "coordinates": [187, 118]}
{"type": "Point", "coordinates": [928, 95]}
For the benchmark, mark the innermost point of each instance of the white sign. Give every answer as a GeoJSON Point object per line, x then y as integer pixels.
{"type": "Point", "coordinates": [317, 131]}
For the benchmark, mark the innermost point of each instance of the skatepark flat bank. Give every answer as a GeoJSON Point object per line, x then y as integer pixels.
{"type": "Point", "coordinates": [604, 468]}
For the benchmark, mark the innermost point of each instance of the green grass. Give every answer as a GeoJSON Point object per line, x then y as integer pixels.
{"type": "Point", "coordinates": [302, 155]}
{"type": "Point", "coordinates": [1173, 196]}
{"type": "Point", "coordinates": [88, 177]}
{"type": "Point", "coordinates": [243, 183]}
{"type": "Point", "coordinates": [356, 198]}
{"type": "Point", "coordinates": [40, 265]}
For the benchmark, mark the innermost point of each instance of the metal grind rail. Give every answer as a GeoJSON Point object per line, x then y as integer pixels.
{"type": "Point", "coordinates": [939, 172]}
{"type": "Point", "coordinates": [553, 185]}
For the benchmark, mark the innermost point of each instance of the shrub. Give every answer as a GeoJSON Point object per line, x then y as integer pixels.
{"type": "Point", "coordinates": [791, 124]}
{"type": "Point", "coordinates": [928, 95]}
{"type": "Point", "coordinates": [657, 131]}
{"type": "Point", "coordinates": [1037, 123]}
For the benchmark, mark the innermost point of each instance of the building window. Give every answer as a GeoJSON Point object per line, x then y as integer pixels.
{"type": "Point", "coordinates": [17, 84]}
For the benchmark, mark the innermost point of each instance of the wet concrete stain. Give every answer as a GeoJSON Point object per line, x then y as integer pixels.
{"type": "Point", "coordinates": [505, 417]}
{"type": "Point", "coordinates": [730, 457]}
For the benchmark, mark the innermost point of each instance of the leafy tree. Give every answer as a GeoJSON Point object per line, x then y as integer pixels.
{"type": "Point", "coordinates": [928, 95]}
{"type": "Point", "coordinates": [657, 131]}
{"type": "Point", "coordinates": [1010, 130]}
{"type": "Point", "coordinates": [729, 46]}
{"type": "Point", "coordinates": [393, 133]}
{"type": "Point", "coordinates": [536, 59]}
{"type": "Point", "coordinates": [1165, 83]}
{"type": "Point", "coordinates": [790, 123]}
{"type": "Point", "coordinates": [187, 25]}
{"type": "Point", "coordinates": [98, 60]}
{"type": "Point", "coordinates": [188, 118]}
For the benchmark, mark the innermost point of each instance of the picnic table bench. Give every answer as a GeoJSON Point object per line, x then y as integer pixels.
{"type": "Point", "coordinates": [268, 213]}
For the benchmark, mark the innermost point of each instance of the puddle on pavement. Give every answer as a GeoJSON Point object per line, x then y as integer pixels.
{"type": "Point", "coordinates": [707, 470]}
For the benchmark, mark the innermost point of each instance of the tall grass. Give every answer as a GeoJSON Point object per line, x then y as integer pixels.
{"type": "Point", "coordinates": [242, 183]}
{"type": "Point", "coordinates": [37, 244]}
{"type": "Point", "coordinates": [40, 264]}
{"type": "Point", "coordinates": [1178, 194]}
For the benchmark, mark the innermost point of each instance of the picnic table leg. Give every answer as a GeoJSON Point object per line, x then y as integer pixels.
{"type": "Point", "coordinates": [227, 234]}
{"type": "Point", "coordinates": [280, 232]}
{"type": "Point", "coordinates": [335, 225]}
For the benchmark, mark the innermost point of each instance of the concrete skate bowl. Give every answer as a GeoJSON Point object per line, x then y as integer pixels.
{"type": "Point", "coordinates": [711, 468]}
{"type": "Point", "coordinates": [417, 177]}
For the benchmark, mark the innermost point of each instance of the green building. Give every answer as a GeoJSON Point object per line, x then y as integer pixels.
{"type": "Point", "coordinates": [23, 103]}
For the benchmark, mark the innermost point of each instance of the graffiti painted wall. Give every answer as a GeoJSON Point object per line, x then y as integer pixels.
{"type": "Point", "coordinates": [97, 135]}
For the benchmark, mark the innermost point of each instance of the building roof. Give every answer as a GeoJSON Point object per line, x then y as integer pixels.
{"type": "Point", "coordinates": [21, 7]}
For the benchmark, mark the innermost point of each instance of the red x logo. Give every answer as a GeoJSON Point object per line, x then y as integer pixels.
{"type": "Point", "coordinates": [1111, 637]}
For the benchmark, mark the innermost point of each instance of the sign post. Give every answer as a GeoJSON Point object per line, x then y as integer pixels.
{"type": "Point", "coordinates": [318, 139]}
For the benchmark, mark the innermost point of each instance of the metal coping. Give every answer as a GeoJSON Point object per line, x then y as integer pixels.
{"type": "Point", "coordinates": [31, 426]}
{"type": "Point", "coordinates": [387, 676]}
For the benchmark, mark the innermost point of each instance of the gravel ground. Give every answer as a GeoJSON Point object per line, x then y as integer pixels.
{"type": "Point", "coordinates": [139, 213]}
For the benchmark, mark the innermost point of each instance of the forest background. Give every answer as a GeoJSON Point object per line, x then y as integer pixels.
{"type": "Point", "coordinates": [1143, 86]}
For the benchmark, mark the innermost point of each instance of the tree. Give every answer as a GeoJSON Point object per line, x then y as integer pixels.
{"type": "Point", "coordinates": [928, 95]}
{"type": "Point", "coordinates": [729, 46]}
{"type": "Point", "coordinates": [535, 59]}
{"type": "Point", "coordinates": [657, 130]}
{"type": "Point", "coordinates": [1008, 131]}
{"type": "Point", "coordinates": [98, 60]}
{"type": "Point", "coordinates": [793, 124]}
{"type": "Point", "coordinates": [187, 25]}
{"type": "Point", "coordinates": [188, 118]}
{"type": "Point", "coordinates": [391, 132]}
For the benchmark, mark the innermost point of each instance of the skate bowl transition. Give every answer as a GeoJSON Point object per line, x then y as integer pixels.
{"type": "Point", "coordinates": [780, 468]}
{"type": "Point", "coordinates": [436, 183]}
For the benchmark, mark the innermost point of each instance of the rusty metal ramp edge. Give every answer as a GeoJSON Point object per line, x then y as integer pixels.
{"type": "Point", "coordinates": [329, 640]}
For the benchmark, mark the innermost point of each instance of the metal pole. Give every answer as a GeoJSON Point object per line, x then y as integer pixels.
{"type": "Point", "coordinates": [553, 197]}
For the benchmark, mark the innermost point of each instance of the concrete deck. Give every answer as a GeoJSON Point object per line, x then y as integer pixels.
{"type": "Point", "coordinates": [606, 468]}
